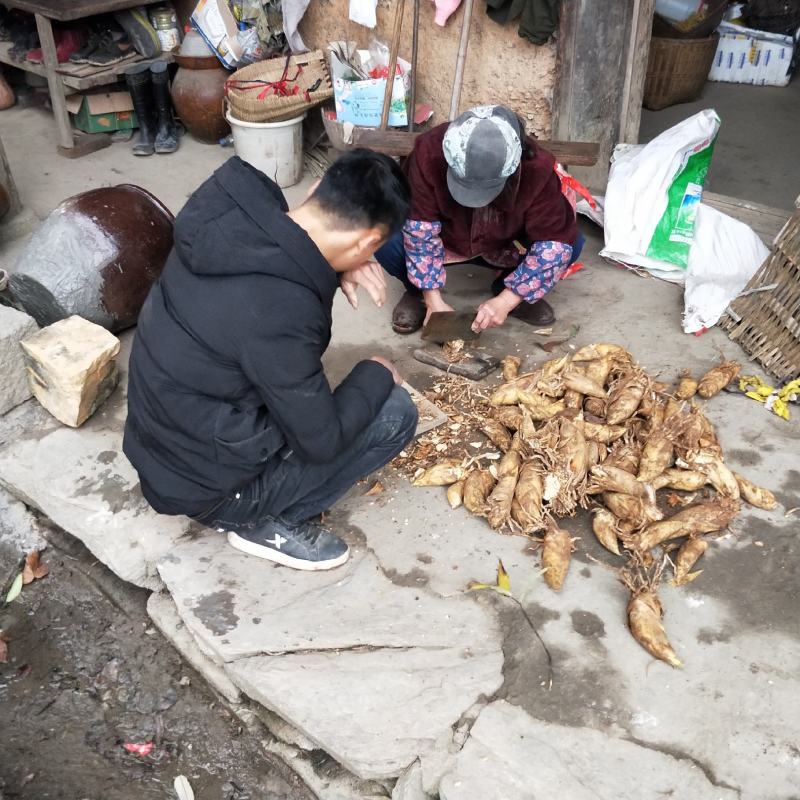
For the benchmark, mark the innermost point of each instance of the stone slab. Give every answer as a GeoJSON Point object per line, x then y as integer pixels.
{"type": "Point", "coordinates": [378, 671]}
{"type": "Point", "coordinates": [14, 327]}
{"type": "Point", "coordinates": [81, 480]}
{"type": "Point", "coordinates": [162, 611]}
{"type": "Point", "coordinates": [20, 531]}
{"type": "Point", "coordinates": [409, 784]}
{"type": "Point", "coordinates": [512, 756]}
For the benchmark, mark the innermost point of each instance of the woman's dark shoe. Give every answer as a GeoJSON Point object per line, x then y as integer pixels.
{"type": "Point", "coordinates": [539, 313]}
{"type": "Point", "coordinates": [408, 314]}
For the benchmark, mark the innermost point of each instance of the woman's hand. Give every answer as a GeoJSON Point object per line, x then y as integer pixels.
{"type": "Point", "coordinates": [370, 276]}
{"type": "Point", "coordinates": [493, 313]}
{"type": "Point", "coordinates": [434, 302]}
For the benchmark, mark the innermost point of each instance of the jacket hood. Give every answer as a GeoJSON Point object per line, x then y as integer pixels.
{"type": "Point", "coordinates": [236, 224]}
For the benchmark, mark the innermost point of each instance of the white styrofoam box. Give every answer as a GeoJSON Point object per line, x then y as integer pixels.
{"type": "Point", "coordinates": [745, 55]}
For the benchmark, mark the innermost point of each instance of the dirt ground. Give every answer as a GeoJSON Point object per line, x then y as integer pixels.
{"type": "Point", "coordinates": [87, 673]}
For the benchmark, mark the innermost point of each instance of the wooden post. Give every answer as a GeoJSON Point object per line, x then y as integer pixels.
{"type": "Point", "coordinates": [7, 180]}
{"type": "Point", "coordinates": [463, 43]}
{"type": "Point", "coordinates": [395, 47]}
{"type": "Point", "coordinates": [636, 70]}
{"type": "Point", "coordinates": [57, 97]}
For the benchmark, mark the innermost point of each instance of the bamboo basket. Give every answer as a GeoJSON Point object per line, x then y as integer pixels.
{"type": "Point", "coordinates": [766, 320]}
{"type": "Point", "coordinates": [279, 88]}
{"type": "Point", "coordinates": [677, 70]}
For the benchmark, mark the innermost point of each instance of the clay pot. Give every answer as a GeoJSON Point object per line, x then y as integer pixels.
{"type": "Point", "coordinates": [96, 255]}
{"type": "Point", "coordinates": [197, 94]}
{"type": "Point", "coordinates": [7, 96]}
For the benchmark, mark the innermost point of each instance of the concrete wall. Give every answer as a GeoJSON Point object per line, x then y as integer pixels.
{"type": "Point", "coordinates": [501, 67]}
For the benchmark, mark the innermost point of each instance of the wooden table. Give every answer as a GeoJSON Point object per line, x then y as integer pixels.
{"type": "Point", "coordinates": [63, 79]}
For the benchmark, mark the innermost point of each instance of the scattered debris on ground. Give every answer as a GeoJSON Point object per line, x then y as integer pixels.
{"type": "Point", "coordinates": [591, 430]}
{"type": "Point", "coordinates": [95, 703]}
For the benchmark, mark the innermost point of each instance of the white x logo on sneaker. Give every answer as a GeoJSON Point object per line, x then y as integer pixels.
{"type": "Point", "coordinates": [277, 541]}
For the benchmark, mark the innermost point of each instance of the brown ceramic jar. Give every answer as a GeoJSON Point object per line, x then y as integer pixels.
{"type": "Point", "coordinates": [197, 94]}
{"type": "Point", "coordinates": [96, 255]}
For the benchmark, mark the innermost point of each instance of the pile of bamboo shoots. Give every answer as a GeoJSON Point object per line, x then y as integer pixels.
{"type": "Point", "coordinates": [593, 430]}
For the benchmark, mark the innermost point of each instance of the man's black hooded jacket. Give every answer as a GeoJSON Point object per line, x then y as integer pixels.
{"type": "Point", "coordinates": [225, 371]}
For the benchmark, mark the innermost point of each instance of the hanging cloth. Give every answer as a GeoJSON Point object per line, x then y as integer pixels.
{"type": "Point", "coordinates": [539, 18]}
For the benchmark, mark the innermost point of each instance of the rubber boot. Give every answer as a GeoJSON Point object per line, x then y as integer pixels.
{"type": "Point", "coordinates": [166, 133]}
{"type": "Point", "coordinates": [140, 31]}
{"type": "Point", "coordinates": [141, 89]}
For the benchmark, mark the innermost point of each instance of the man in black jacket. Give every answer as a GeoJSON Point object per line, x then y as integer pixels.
{"type": "Point", "coordinates": [231, 419]}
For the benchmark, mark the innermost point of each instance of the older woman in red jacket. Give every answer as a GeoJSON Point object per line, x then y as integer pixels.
{"type": "Point", "coordinates": [482, 191]}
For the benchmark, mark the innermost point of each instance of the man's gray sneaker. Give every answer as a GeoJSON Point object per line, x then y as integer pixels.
{"type": "Point", "coordinates": [305, 546]}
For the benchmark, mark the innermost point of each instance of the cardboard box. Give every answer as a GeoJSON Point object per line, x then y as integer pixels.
{"type": "Point", "coordinates": [745, 55]}
{"type": "Point", "coordinates": [102, 113]}
{"type": "Point", "coordinates": [215, 22]}
{"type": "Point", "coordinates": [361, 102]}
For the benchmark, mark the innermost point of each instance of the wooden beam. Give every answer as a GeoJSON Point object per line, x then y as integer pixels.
{"type": "Point", "coordinates": [401, 143]}
{"type": "Point", "coordinates": [636, 70]}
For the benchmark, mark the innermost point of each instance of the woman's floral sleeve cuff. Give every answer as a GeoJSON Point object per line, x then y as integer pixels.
{"type": "Point", "coordinates": [542, 268]}
{"type": "Point", "coordinates": [424, 253]}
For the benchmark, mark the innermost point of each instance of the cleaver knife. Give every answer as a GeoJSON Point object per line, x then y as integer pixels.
{"type": "Point", "coordinates": [447, 326]}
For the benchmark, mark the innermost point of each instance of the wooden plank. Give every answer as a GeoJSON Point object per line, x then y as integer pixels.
{"type": "Point", "coordinates": [26, 66]}
{"type": "Point", "coordinates": [401, 143]}
{"type": "Point", "coordinates": [573, 154]}
{"type": "Point", "coordinates": [57, 97]}
{"type": "Point", "coordinates": [766, 221]}
{"type": "Point", "coordinates": [84, 144]}
{"type": "Point", "coordinates": [591, 65]}
{"type": "Point", "coordinates": [102, 76]}
{"type": "Point", "coordinates": [66, 10]}
{"type": "Point", "coordinates": [636, 70]}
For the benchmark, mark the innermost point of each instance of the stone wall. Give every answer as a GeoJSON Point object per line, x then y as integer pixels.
{"type": "Point", "coordinates": [501, 67]}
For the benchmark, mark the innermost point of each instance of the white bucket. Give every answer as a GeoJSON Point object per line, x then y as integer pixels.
{"type": "Point", "coordinates": [275, 148]}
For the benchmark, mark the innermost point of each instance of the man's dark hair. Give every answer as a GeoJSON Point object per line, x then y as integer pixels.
{"type": "Point", "coordinates": [364, 189]}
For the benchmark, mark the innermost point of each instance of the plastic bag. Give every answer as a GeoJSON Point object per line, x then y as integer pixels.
{"type": "Point", "coordinates": [725, 254]}
{"type": "Point", "coordinates": [250, 45]}
{"type": "Point", "coordinates": [653, 194]}
{"type": "Point", "coordinates": [363, 12]}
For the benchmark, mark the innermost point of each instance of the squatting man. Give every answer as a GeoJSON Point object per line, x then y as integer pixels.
{"type": "Point", "coordinates": [231, 419]}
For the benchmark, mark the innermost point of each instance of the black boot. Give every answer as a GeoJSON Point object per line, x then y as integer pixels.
{"type": "Point", "coordinates": [167, 134]}
{"type": "Point", "coordinates": [141, 89]}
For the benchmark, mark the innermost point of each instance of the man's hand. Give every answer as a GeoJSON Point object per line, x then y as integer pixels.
{"type": "Point", "coordinates": [493, 313]}
{"type": "Point", "coordinates": [370, 276]}
{"type": "Point", "coordinates": [384, 362]}
{"type": "Point", "coordinates": [434, 302]}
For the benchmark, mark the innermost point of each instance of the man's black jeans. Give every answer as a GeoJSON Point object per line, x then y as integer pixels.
{"type": "Point", "coordinates": [296, 491]}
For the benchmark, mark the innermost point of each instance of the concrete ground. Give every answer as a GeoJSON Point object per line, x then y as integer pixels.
{"type": "Point", "coordinates": [755, 156]}
{"type": "Point", "coordinates": [387, 668]}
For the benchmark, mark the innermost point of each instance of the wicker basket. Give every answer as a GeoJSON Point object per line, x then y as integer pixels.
{"type": "Point", "coordinates": [279, 88]}
{"type": "Point", "coordinates": [766, 323]}
{"type": "Point", "coordinates": [677, 70]}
